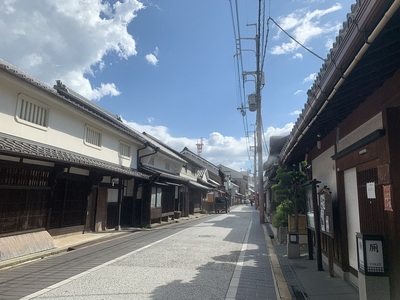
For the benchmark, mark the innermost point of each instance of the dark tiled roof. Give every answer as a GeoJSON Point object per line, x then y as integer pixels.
{"type": "Point", "coordinates": [328, 102]}
{"type": "Point", "coordinates": [156, 174]}
{"type": "Point", "coordinates": [11, 145]}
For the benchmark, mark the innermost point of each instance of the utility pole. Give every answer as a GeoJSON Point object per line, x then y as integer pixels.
{"type": "Point", "coordinates": [200, 147]}
{"type": "Point", "coordinates": [255, 163]}
{"type": "Point", "coordinates": [258, 120]}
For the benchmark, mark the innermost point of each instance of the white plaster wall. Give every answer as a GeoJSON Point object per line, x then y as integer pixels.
{"type": "Point", "coordinates": [324, 170]}
{"type": "Point", "coordinates": [352, 213]}
{"type": "Point", "coordinates": [66, 125]}
{"type": "Point", "coordinates": [160, 162]}
{"type": "Point", "coordinates": [188, 174]}
{"type": "Point", "coordinates": [368, 127]}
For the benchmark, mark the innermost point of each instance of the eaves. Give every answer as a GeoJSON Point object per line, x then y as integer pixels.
{"type": "Point", "coordinates": [366, 53]}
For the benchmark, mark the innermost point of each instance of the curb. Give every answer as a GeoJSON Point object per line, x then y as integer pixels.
{"type": "Point", "coordinates": [281, 286]}
{"type": "Point", "coordinates": [13, 262]}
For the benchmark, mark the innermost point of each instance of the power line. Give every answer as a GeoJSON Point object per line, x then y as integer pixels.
{"type": "Point", "coordinates": [239, 66]}
{"type": "Point", "coordinates": [313, 53]}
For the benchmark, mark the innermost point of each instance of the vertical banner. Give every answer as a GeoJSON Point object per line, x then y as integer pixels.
{"type": "Point", "coordinates": [387, 197]}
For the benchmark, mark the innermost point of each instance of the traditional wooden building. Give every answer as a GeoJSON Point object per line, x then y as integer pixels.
{"type": "Point", "coordinates": [166, 192]}
{"type": "Point", "coordinates": [348, 132]}
{"type": "Point", "coordinates": [198, 186]}
{"type": "Point", "coordinates": [65, 164]}
{"type": "Point", "coordinates": [238, 183]}
{"type": "Point", "coordinates": [208, 175]}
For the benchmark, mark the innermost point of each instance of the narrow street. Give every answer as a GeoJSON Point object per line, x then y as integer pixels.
{"type": "Point", "coordinates": [221, 256]}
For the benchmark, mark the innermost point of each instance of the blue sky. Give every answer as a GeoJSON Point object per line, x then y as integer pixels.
{"type": "Point", "coordinates": [167, 67]}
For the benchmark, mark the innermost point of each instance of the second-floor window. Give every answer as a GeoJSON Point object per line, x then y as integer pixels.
{"type": "Point", "coordinates": [151, 161]}
{"type": "Point", "coordinates": [124, 150]}
{"type": "Point", "coordinates": [92, 137]}
{"type": "Point", "coordinates": [32, 112]}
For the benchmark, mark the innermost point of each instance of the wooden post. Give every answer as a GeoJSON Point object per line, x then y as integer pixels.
{"type": "Point", "coordinates": [330, 256]}
{"type": "Point", "coordinates": [317, 223]}
{"type": "Point", "coordinates": [310, 244]}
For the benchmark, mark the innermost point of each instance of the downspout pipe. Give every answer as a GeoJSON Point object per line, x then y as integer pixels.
{"type": "Point", "coordinates": [146, 145]}
{"type": "Point", "coordinates": [152, 178]}
{"type": "Point", "coordinates": [138, 158]}
{"type": "Point", "coordinates": [372, 37]}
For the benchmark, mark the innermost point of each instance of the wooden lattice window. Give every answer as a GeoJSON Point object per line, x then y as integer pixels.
{"type": "Point", "coordinates": [24, 193]}
{"type": "Point", "coordinates": [23, 177]}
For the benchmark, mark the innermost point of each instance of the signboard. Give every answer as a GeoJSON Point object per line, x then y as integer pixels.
{"type": "Point", "coordinates": [371, 190]}
{"type": "Point", "coordinates": [360, 252]}
{"type": "Point", "coordinates": [387, 197]}
{"type": "Point", "coordinates": [210, 197]}
{"type": "Point", "coordinates": [371, 254]}
{"type": "Point", "coordinates": [383, 174]}
{"type": "Point", "coordinates": [326, 212]}
{"type": "Point", "coordinates": [310, 207]}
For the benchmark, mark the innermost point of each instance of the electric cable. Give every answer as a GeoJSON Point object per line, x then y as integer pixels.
{"type": "Point", "coordinates": [313, 53]}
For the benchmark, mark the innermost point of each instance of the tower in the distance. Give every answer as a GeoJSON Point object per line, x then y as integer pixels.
{"type": "Point", "coordinates": [200, 147]}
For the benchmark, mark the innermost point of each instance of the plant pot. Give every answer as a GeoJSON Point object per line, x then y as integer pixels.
{"type": "Point", "coordinates": [177, 214]}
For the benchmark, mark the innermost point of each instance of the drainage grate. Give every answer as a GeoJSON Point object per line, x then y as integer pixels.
{"type": "Point", "coordinates": [298, 294]}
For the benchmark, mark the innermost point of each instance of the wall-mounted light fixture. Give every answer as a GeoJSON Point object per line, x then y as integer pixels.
{"type": "Point", "coordinates": [363, 151]}
{"type": "Point", "coordinates": [318, 141]}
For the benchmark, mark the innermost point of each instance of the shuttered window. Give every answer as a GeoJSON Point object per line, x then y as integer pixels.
{"type": "Point", "coordinates": [32, 112]}
{"type": "Point", "coordinates": [92, 137]}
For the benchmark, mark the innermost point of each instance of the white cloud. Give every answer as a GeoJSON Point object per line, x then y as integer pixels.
{"type": "Point", "coordinates": [32, 60]}
{"type": "Point", "coordinates": [285, 130]}
{"type": "Point", "coordinates": [297, 56]}
{"type": "Point", "coordinates": [105, 89]}
{"type": "Point", "coordinates": [298, 92]}
{"type": "Point", "coordinates": [295, 113]}
{"type": "Point", "coordinates": [304, 26]}
{"type": "Point", "coordinates": [216, 146]}
{"type": "Point", "coordinates": [52, 48]}
{"type": "Point", "coordinates": [152, 57]}
{"type": "Point", "coordinates": [7, 7]}
{"type": "Point", "coordinates": [310, 78]}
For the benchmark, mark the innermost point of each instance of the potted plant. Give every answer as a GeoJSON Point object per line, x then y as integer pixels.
{"type": "Point", "coordinates": [289, 199]}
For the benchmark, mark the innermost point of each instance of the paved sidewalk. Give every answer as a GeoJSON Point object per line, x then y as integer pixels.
{"type": "Point", "coordinates": [253, 278]}
{"type": "Point", "coordinates": [304, 281]}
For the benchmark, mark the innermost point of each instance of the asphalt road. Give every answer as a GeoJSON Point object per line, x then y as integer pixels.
{"type": "Point", "coordinates": [220, 256]}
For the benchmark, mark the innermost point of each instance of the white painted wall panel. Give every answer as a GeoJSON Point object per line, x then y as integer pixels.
{"type": "Point", "coordinates": [324, 170]}
{"type": "Point", "coordinates": [352, 213]}
{"type": "Point", "coordinates": [362, 131]}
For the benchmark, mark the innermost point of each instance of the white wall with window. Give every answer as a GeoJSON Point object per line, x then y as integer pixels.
{"type": "Point", "coordinates": [33, 114]}
{"type": "Point", "coordinates": [162, 162]}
